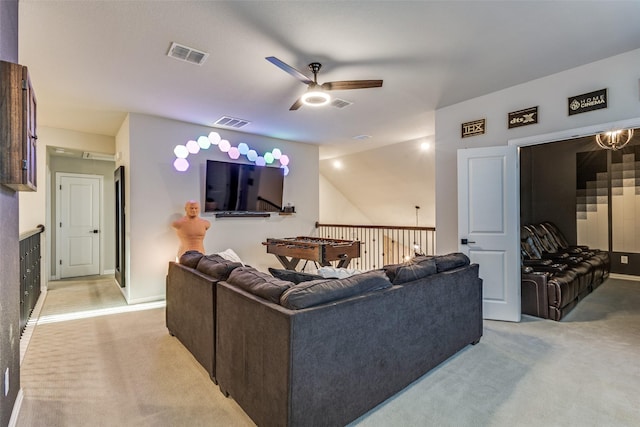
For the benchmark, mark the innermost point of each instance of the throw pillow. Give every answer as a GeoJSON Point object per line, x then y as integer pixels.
{"type": "Point", "coordinates": [391, 269]}
{"type": "Point", "coordinates": [258, 283]}
{"type": "Point", "coordinates": [190, 258]}
{"type": "Point", "coordinates": [230, 255]}
{"type": "Point", "coordinates": [216, 266]}
{"type": "Point", "coordinates": [293, 276]}
{"type": "Point", "coordinates": [315, 292]}
{"type": "Point", "coordinates": [451, 261]}
{"type": "Point", "coordinates": [411, 272]}
{"type": "Point", "coordinates": [421, 258]}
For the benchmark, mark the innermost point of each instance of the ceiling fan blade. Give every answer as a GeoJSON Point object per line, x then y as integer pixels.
{"type": "Point", "coordinates": [351, 84]}
{"type": "Point", "coordinates": [296, 104]}
{"type": "Point", "coordinates": [289, 69]}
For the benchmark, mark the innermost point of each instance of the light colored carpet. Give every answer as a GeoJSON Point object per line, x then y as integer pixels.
{"type": "Point", "coordinates": [114, 369]}
{"type": "Point", "coordinates": [126, 370]}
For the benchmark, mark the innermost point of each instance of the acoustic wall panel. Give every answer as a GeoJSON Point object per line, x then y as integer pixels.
{"type": "Point", "coordinates": [592, 205]}
{"type": "Point", "coordinates": [625, 199]}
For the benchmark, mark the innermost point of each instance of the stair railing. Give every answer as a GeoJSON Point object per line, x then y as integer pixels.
{"type": "Point", "coordinates": [382, 244]}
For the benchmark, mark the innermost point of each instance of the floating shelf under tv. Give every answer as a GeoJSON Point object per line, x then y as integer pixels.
{"type": "Point", "coordinates": [242, 214]}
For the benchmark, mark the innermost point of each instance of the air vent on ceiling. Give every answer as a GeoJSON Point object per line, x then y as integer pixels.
{"type": "Point", "coordinates": [187, 54]}
{"type": "Point", "coordinates": [230, 122]}
{"type": "Point", "coordinates": [340, 103]}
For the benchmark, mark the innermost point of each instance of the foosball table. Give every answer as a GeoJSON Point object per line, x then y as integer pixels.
{"type": "Point", "coordinates": [291, 250]}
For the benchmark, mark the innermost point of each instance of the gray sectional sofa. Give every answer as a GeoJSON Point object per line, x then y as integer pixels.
{"type": "Point", "coordinates": [324, 351]}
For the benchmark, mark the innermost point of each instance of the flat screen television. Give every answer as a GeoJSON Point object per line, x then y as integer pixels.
{"type": "Point", "coordinates": [237, 187]}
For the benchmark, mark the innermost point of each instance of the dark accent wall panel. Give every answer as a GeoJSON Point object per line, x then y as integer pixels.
{"type": "Point", "coordinates": [592, 199]}
{"type": "Point", "coordinates": [552, 180]}
{"type": "Point", "coordinates": [9, 256]}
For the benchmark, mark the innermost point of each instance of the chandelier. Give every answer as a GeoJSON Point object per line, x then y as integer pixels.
{"type": "Point", "coordinates": [615, 139]}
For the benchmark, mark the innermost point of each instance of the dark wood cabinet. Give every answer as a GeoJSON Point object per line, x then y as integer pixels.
{"type": "Point", "coordinates": [17, 128]}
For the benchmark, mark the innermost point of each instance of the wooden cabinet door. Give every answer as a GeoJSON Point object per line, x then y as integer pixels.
{"type": "Point", "coordinates": [29, 151]}
{"type": "Point", "coordinates": [17, 128]}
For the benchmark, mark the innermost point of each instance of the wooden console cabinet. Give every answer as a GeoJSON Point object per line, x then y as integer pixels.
{"type": "Point", "coordinates": [17, 128]}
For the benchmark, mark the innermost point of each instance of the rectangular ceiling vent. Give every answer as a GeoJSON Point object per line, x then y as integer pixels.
{"type": "Point", "coordinates": [230, 122]}
{"type": "Point", "coordinates": [187, 54]}
{"type": "Point", "coordinates": [340, 103]}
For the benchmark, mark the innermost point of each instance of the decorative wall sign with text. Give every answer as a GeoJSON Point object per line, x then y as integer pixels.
{"type": "Point", "coordinates": [588, 102]}
{"type": "Point", "coordinates": [476, 127]}
{"type": "Point", "coordinates": [526, 117]}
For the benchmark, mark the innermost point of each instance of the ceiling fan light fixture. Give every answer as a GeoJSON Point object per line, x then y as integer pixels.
{"type": "Point", "coordinates": [315, 98]}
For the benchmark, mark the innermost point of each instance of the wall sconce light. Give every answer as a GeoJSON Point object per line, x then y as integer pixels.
{"type": "Point", "coordinates": [615, 139]}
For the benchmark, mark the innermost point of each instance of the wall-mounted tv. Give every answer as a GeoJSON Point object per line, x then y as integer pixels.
{"type": "Point", "coordinates": [237, 187]}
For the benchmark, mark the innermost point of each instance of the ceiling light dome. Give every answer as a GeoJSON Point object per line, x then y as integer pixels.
{"type": "Point", "coordinates": [315, 97]}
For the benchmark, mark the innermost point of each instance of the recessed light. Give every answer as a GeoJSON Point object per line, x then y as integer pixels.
{"type": "Point", "coordinates": [360, 137]}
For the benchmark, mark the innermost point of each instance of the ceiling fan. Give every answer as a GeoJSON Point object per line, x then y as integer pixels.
{"type": "Point", "coordinates": [316, 95]}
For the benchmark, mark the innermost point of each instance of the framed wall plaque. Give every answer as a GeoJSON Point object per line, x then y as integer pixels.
{"type": "Point", "coordinates": [476, 127]}
{"type": "Point", "coordinates": [526, 117]}
{"type": "Point", "coordinates": [587, 102]}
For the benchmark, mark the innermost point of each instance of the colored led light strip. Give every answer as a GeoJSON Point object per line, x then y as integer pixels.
{"type": "Point", "coordinates": [181, 164]}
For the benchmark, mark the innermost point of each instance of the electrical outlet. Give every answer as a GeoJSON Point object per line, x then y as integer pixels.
{"type": "Point", "coordinates": [624, 259]}
{"type": "Point", "coordinates": [6, 382]}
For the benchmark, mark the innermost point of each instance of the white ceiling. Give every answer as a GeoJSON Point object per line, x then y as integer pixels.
{"type": "Point", "coordinates": [92, 61]}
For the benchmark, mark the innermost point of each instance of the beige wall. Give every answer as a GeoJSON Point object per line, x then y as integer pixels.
{"type": "Point", "coordinates": [33, 205]}
{"type": "Point", "coordinates": [385, 184]}
{"type": "Point", "coordinates": [155, 194]}
{"type": "Point", "coordinates": [335, 208]}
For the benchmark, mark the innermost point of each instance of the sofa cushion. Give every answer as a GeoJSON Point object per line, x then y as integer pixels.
{"type": "Point", "coordinates": [216, 266]}
{"type": "Point", "coordinates": [411, 271]}
{"type": "Point", "coordinates": [315, 292]}
{"type": "Point", "coordinates": [451, 261]}
{"type": "Point", "coordinates": [190, 258]}
{"type": "Point", "coordinates": [392, 269]}
{"type": "Point", "coordinates": [293, 276]}
{"type": "Point", "coordinates": [259, 283]}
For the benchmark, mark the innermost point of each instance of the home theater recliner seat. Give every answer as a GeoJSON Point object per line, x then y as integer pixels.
{"type": "Point", "coordinates": [556, 275]}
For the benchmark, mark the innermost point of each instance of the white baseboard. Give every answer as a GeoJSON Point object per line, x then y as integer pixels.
{"type": "Point", "coordinates": [624, 276]}
{"type": "Point", "coordinates": [13, 421]}
{"type": "Point", "coordinates": [25, 339]}
{"type": "Point", "coordinates": [107, 272]}
{"type": "Point", "coordinates": [158, 298]}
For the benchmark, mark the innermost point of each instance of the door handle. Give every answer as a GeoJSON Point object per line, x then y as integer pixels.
{"type": "Point", "coordinates": [94, 231]}
{"type": "Point", "coordinates": [465, 241]}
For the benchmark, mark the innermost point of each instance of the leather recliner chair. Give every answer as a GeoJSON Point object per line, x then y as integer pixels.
{"type": "Point", "coordinates": [555, 275]}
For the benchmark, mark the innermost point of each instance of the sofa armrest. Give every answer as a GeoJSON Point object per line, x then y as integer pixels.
{"type": "Point", "coordinates": [535, 300]}
{"type": "Point", "coordinates": [190, 312]}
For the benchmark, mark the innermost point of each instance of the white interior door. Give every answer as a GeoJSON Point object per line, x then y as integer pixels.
{"type": "Point", "coordinates": [78, 202]}
{"type": "Point", "coordinates": [489, 223]}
